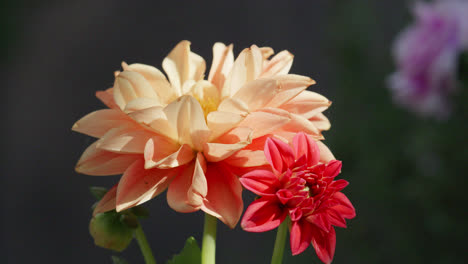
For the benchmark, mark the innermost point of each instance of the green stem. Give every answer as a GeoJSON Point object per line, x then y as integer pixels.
{"type": "Point", "coordinates": [144, 246]}
{"type": "Point", "coordinates": [209, 240]}
{"type": "Point", "coordinates": [278, 250]}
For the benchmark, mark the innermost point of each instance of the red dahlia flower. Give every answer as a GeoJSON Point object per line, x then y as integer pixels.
{"type": "Point", "coordinates": [302, 187]}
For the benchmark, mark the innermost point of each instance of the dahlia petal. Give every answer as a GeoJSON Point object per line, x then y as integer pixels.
{"type": "Point", "coordinates": [300, 236]}
{"type": "Point", "coordinates": [344, 208]}
{"type": "Point", "coordinates": [140, 85]}
{"type": "Point", "coordinates": [288, 87]}
{"type": "Point", "coordinates": [187, 116]}
{"type": "Point", "coordinates": [266, 52]}
{"type": "Point", "coordinates": [338, 185]}
{"type": "Point", "coordinates": [139, 185]}
{"type": "Point", "coordinates": [229, 143]}
{"type": "Point", "coordinates": [324, 244]}
{"type": "Point", "coordinates": [224, 197]}
{"type": "Point", "coordinates": [107, 202]}
{"type": "Point", "coordinates": [263, 123]}
{"type": "Point", "coordinates": [98, 162]}
{"type": "Point", "coordinates": [199, 188]}
{"type": "Point", "coordinates": [155, 119]}
{"type": "Point", "coordinates": [163, 154]}
{"type": "Point", "coordinates": [333, 168]}
{"type": "Point", "coordinates": [124, 140]}
{"type": "Point", "coordinates": [304, 145]}
{"type": "Point", "coordinates": [140, 104]}
{"type": "Point", "coordinates": [336, 218]}
{"type": "Point", "coordinates": [97, 123]}
{"type": "Point", "coordinates": [280, 64]}
{"type": "Point", "coordinates": [257, 93]}
{"type": "Point", "coordinates": [221, 122]}
{"type": "Point", "coordinates": [320, 121]}
{"type": "Point", "coordinates": [319, 220]}
{"type": "Point", "coordinates": [182, 65]}
{"type": "Point", "coordinates": [233, 105]}
{"type": "Point", "coordinates": [250, 156]}
{"type": "Point", "coordinates": [262, 215]}
{"type": "Point", "coordinates": [223, 59]}
{"type": "Point", "coordinates": [325, 153]}
{"type": "Point", "coordinates": [107, 98]}
{"type": "Point", "coordinates": [156, 79]}
{"type": "Point", "coordinates": [307, 104]}
{"type": "Point", "coordinates": [177, 192]}
{"type": "Point", "coordinates": [247, 67]}
{"type": "Point", "coordinates": [260, 182]}
{"type": "Point", "coordinates": [278, 154]}
{"type": "Point", "coordinates": [299, 123]}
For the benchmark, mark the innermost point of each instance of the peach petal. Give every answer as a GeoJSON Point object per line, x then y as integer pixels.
{"type": "Point", "coordinates": [325, 154]}
{"type": "Point", "coordinates": [97, 123]}
{"type": "Point", "coordinates": [99, 162]}
{"type": "Point", "coordinates": [107, 202]}
{"type": "Point", "coordinates": [156, 79]}
{"type": "Point", "coordinates": [320, 121]}
{"type": "Point", "coordinates": [177, 191]}
{"type": "Point", "coordinates": [139, 84]}
{"type": "Point", "coordinates": [198, 189]}
{"type": "Point", "coordinates": [182, 65]}
{"type": "Point", "coordinates": [124, 140]}
{"type": "Point", "coordinates": [140, 104]}
{"type": "Point", "coordinates": [224, 197]}
{"type": "Point", "coordinates": [221, 122]}
{"type": "Point", "coordinates": [247, 67]}
{"type": "Point", "coordinates": [266, 52]}
{"type": "Point", "coordinates": [107, 98]}
{"type": "Point", "coordinates": [164, 154]}
{"type": "Point", "coordinates": [155, 119]}
{"type": "Point", "coordinates": [288, 87]}
{"type": "Point", "coordinates": [228, 144]}
{"type": "Point", "coordinates": [263, 123]}
{"type": "Point", "coordinates": [139, 185]}
{"type": "Point", "coordinates": [307, 104]}
{"type": "Point", "coordinates": [257, 93]}
{"type": "Point", "coordinates": [186, 115]}
{"type": "Point", "coordinates": [233, 105]}
{"type": "Point", "coordinates": [223, 59]}
{"type": "Point", "coordinates": [278, 65]}
{"type": "Point", "coordinates": [250, 156]}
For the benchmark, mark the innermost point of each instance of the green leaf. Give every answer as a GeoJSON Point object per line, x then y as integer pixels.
{"type": "Point", "coordinates": [118, 260]}
{"type": "Point", "coordinates": [98, 192]}
{"type": "Point", "coordinates": [191, 254]}
{"type": "Point", "coordinates": [110, 232]}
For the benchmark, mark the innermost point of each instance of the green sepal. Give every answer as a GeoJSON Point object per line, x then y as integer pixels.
{"type": "Point", "coordinates": [130, 220]}
{"type": "Point", "coordinates": [190, 254]}
{"type": "Point", "coordinates": [110, 232]}
{"type": "Point", "coordinates": [118, 260]}
{"type": "Point", "coordinates": [140, 211]}
{"type": "Point", "coordinates": [98, 192]}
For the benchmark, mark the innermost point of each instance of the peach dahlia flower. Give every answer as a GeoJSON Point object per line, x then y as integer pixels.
{"type": "Point", "coordinates": [194, 136]}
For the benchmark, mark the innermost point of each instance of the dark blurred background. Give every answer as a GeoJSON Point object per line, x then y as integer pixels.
{"type": "Point", "coordinates": [407, 174]}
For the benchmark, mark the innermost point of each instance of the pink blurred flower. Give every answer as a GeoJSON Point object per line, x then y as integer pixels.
{"type": "Point", "coordinates": [193, 136]}
{"type": "Point", "coordinates": [300, 185]}
{"type": "Point", "coordinates": [426, 54]}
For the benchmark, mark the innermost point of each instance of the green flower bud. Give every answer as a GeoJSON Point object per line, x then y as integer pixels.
{"type": "Point", "coordinates": [110, 232]}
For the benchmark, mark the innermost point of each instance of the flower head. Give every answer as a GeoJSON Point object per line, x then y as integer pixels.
{"type": "Point", "coordinates": [426, 54]}
{"type": "Point", "coordinates": [193, 136]}
{"type": "Point", "coordinates": [301, 185]}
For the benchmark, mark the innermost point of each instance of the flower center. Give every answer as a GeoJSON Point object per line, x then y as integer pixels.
{"type": "Point", "coordinates": [207, 95]}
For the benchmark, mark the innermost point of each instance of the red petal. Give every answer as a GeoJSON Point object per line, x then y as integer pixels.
{"type": "Point", "coordinates": [301, 235]}
{"type": "Point", "coordinates": [304, 145]}
{"type": "Point", "coordinates": [333, 168]}
{"type": "Point", "coordinates": [344, 207]}
{"type": "Point", "coordinates": [278, 154]}
{"type": "Point", "coordinates": [324, 244]}
{"type": "Point", "coordinates": [262, 215]}
{"type": "Point", "coordinates": [320, 221]}
{"type": "Point", "coordinates": [260, 182]}
{"type": "Point", "coordinates": [338, 185]}
{"type": "Point", "coordinates": [224, 197]}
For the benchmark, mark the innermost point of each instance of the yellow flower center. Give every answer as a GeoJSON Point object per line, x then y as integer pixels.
{"type": "Point", "coordinates": [207, 95]}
